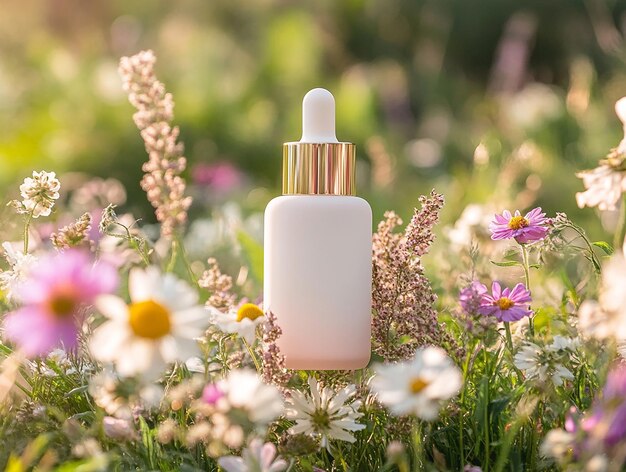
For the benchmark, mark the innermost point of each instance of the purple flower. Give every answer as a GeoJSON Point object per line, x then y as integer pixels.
{"type": "Point", "coordinates": [471, 296]}
{"type": "Point", "coordinates": [525, 229]}
{"type": "Point", "coordinates": [221, 177]}
{"type": "Point", "coordinates": [53, 298]}
{"type": "Point", "coordinates": [607, 421]}
{"type": "Point", "coordinates": [211, 394]}
{"type": "Point", "coordinates": [507, 304]}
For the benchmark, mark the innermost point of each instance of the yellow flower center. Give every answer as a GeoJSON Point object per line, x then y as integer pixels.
{"type": "Point", "coordinates": [62, 305]}
{"type": "Point", "coordinates": [505, 303]}
{"type": "Point", "coordinates": [418, 384]}
{"type": "Point", "coordinates": [63, 302]}
{"type": "Point", "coordinates": [250, 311]}
{"type": "Point", "coordinates": [149, 319]}
{"type": "Point", "coordinates": [518, 222]}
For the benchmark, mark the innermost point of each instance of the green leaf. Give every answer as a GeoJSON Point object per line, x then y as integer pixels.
{"type": "Point", "coordinates": [253, 253]}
{"type": "Point", "coordinates": [505, 263]}
{"type": "Point", "coordinates": [375, 358]}
{"type": "Point", "coordinates": [606, 247]}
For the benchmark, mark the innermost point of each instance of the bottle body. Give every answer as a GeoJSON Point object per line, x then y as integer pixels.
{"type": "Point", "coordinates": [318, 279]}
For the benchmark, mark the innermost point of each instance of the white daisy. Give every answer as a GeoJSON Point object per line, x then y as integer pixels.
{"type": "Point", "coordinates": [324, 413]}
{"type": "Point", "coordinates": [20, 265]}
{"type": "Point", "coordinates": [242, 321]}
{"type": "Point", "coordinates": [159, 327]}
{"type": "Point", "coordinates": [418, 386]}
{"type": "Point", "coordinates": [257, 457]}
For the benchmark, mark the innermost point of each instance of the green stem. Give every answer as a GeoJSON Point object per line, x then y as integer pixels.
{"type": "Point", "coordinates": [526, 265]}
{"type": "Point", "coordinates": [135, 244]}
{"type": "Point", "coordinates": [174, 256]}
{"type": "Point", "coordinates": [252, 355]}
{"type": "Point", "coordinates": [185, 259]}
{"type": "Point", "coordinates": [462, 403]}
{"type": "Point", "coordinates": [418, 446]}
{"type": "Point", "coordinates": [486, 410]}
{"type": "Point", "coordinates": [27, 229]}
{"type": "Point", "coordinates": [509, 338]}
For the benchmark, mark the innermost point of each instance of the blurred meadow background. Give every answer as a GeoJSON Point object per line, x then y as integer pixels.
{"type": "Point", "coordinates": [495, 103]}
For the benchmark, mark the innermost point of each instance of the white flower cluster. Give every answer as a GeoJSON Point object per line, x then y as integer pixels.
{"type": "Point", "coordinates": [39, 193]}
{"type": "Point", "coordinates": [547, 363]}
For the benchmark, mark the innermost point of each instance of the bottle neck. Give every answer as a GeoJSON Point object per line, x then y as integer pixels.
{"type": "Point", "coordinates": [319, 168]}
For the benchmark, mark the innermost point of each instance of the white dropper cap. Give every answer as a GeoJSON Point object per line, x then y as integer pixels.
{"type": "Point", "coordinates": [318, 117]}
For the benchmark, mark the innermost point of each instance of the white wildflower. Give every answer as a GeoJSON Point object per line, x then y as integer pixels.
{"type": "Point", "coordinates": [546, 363]}
{"type": "Point", "coordinates": [605, 184]}
{"type": "Point", "coordinates": [607, 318]}
{"type": "Point", "coordinates": [325, 413]}
{"type": "Point", "coordinates": [257, 457]}
{"type": "Point", "coordinates": [20, 264]}
{"type": "Point", "coordinates": [39, 193]}
{"type": "Point", "coordinates": [604, 187]}
{"type": "Point", "coordinates": [242, 321]}
{"type": "Point", "coordinates": [238, 405]}
{"type": "Point", "coordinates": [159, 327]}
{"type": "Point", "coordinates": [244, 390]}
{"type": "Point", "coordinates": [419, 386]}
{"type": "Point", "coordinates": [472, 223]}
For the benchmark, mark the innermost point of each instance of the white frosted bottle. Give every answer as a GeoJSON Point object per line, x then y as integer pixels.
{"type": "Point", "coordinates": [318, 243]}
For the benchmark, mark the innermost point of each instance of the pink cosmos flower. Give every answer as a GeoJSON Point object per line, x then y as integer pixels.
{"type": "Point", "coordinates": [53, 298]}
{"type": "Point", "coordinates": [525, 229]}
{"type": "Point", "coordinates": [507, 304]}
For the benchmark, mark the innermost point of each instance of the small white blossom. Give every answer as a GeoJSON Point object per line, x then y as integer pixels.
{"type": "Point", "coordinates": [39, 193]}
{"type": "Point", "coordinates": [557, 444]}
{"type": "Point", "coordinates": [20, 264]}
{"type": "Point", "coordinates": [605, 184]}
{"type": "Point", "coordinates": [244, 390]}
{"type": "Point", "coordinates": [607, 317]}
{"type": "Point", "coordinates": [257, 457]}
{"type": "Point", "coordinates": [419, 386]}
{"type": "Point", "coordinates": [546, 363]}
{"type": "Point", "coordinates": [325, 413]}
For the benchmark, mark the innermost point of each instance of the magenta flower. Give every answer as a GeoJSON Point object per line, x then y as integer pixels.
{"type": "Point", "coordinates": [211, 394]}
{"type": "Point", "coordinates": [524, 229]}
{"type": "Point", "coordinates": [507, 304]}
{"type": "Point", "coordinates": [471, 296]}
{"type": "Point", "coordinates": [53, 298]}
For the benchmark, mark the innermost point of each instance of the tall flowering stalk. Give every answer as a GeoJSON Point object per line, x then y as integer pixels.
{"type": "Point", "coordinates": [274, 370]}
{"type": "Point", "coordinates": [404, 317]}
{"type": "Point", "coordinates": [162, 180]}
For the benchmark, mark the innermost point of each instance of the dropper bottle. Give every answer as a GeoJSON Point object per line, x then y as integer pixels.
{"type": "Point", "coordinates": [318, 244]}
